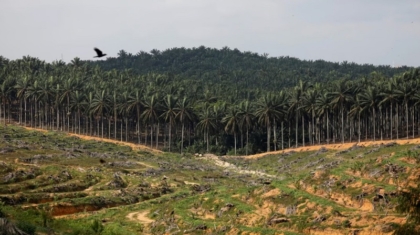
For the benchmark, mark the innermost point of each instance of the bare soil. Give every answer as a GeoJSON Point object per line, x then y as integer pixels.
{"type": "Point", "coordinates": [339, 146]}
{"type": "Point", "coordinates": [140, 216]}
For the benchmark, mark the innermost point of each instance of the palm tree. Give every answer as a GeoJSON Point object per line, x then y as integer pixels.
{"type": "Point", "coordinates": [100, 105]}
{"type": "Point", "coordinates": [232, 121]}
{"type": "Point", "coordinates": [135, 102]}
{"type": "Point", "coordinates": [32, 94]}
{"type": "Point", "coordinates": [246, 114]}
{"type": "Point", "coordinates": [357, 109]}
{"type": "Point", "coordinates": [369, 100]}
{"type": "Point", "coordinates": [323, 106]}
{"type": "Point", "coordinates": [45, 95]}
{"type": "Point", "coordinates": [151, 114]}
{"type": "Point", "coordinates": [6, 91]}
{"type": "Point", "coordinates": [124, 112]}
{"type": "Point", "coordinates": [169, 114]}
{"type": "Point", "coordinates": [67, 90]}
{"type": "Point", "coordinates": [207, 123]}
{"type": "Point", "coordinates": [78, 103]}
{"type": "Point", "coordinates": [309, 105]}
{"type": "Point", "coordinates": [219, 111]}
{"type": "Point", "coordinates": [389, 97]}
{"type": "Point", "coordinates": [295, 102]}
{"type": "Point", "coordinates": [405, 91]}
{"type": "Point", "coordinates": [184, 114]}
{"type": "Point", "coordinates": [21, 87]}
{"type": "Point", "coordinates": [115, 103]}
{"type": "Point", "coordinates": [339, 96]}
{"type": "Point", "coordinates": [267, 110]}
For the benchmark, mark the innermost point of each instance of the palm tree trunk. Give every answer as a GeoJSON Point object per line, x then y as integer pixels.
{"type": "Point", "coordinates": [303, 130]}
{"type": "Point", "coordinates": [342, 124]}
{"type": "Point", "coordinates": [412, 120]}
{"type": "Point", "coordinates": [121, 129]}
{"type": "Point", "coordinates": [297, 120]}
{"type": "Point", "coordinates": [358, 132]}
{"type": "Point", "coordinates": [313, 127]}
{"type": "Point", "coordinates": [36, 113]}
{"type": "Point", "coordinates": [58, 118]}
{"type": "Point", "coordinates": [397, 126]}
{"type": "Point", "coordinates": [207, 139]}
{"type": "Point", "coordinates": [126, 129]}
{"type": "Point", "coordinates": [234, 136]}
{"type": "Point", "coordinates": [374, 126]}
{"type": "Point", "coordinates": [138, 126]}
{"type": "Point", "coordinates": [109, 127]}
{"type": "Point", "coordinates": [68, 112]}
{"type": "Point", "coordinates": [268, 136]}
{"type": "Point", "coordinates": [406, 117]}
{"type": "Point", "coordinates": [20, 111]}
{"type": "Point", "coordinates": [151, 135]}
{"type": "Point", "coordinates": [391, 120]}
{"type": "Point", "coordinates": [282, 142]}
{"type": "Point", "coordinates": [24, 100]}
{"type": "Point", "coordinates": [247, 138]}
{"type": "Point", "coordinates": [328, 130]}
{"type": "Point", "coordinates": [275, 135]}
{"type": "Point", "coordinates": [79, 117]}
{"type": "Point", "coordinates": [381, 120]}
{"type": "Point", "coordinates": [170, 133]}
{"type": "Point", "coordinates": [182, 138]}
{"type": "Point", "coordinates": [157, 135]}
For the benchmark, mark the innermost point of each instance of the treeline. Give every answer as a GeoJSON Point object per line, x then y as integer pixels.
{"type": "Point", "coordinates": [166, 111]}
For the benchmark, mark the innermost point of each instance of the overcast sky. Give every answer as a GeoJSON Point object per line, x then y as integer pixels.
{"type": "Point", "coordinates": [361, 31]}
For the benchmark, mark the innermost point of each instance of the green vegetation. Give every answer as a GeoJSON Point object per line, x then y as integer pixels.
{"type": "Point", "coordinates": [91, 187]}
{"type": "Point", "coordinates": [208, 100]}
{"type": "Point", "coordinates": [202, 100]}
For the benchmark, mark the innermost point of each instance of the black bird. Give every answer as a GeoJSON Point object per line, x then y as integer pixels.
{"type": "Point", "coordinates": [99, 53]}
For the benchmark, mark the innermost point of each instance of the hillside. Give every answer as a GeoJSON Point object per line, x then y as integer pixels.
{"type": "Point", "coordinates": [53, 182]}
{"type": "Point", "coordinates": [244, 107]}
{"type": "Point", "coordinates": [233, 68]}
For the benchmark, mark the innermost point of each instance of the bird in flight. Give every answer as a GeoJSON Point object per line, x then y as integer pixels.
{"type": "Point", "coordinates": [99, 53]}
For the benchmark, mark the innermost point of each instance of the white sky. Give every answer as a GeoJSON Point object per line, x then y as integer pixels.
{"type": "Point", "coordinates": [361, 31]}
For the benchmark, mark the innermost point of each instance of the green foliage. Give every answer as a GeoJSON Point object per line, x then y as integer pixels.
{"type": "Point", "coordinates": [116, 229]}
{"type": "Point", "coordinates": [406, 229]}
{"type": "Point", "coordinates": [97, 227]}
{"type": "Point", "coordinates": [409, 202]}
{"type": "Point", "coordinates": [414, 154]}
{"type": "Point", "coordinates": [2, 213]}
{"type": "Point", "coordinates": [26, 227]}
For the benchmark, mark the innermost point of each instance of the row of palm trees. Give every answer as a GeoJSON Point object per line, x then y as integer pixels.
{"type": "Point", "coordinates": [152, 110]}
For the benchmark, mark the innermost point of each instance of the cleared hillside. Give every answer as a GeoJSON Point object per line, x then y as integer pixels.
{"type": "Point", "coordinates": [51, 181]}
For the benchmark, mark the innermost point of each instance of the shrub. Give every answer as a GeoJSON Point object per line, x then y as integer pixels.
{"type": "Point", "coordinates": [26, 227]}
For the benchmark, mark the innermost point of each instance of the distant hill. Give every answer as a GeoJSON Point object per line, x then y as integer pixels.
{"type": "Point", "coordinates": [244, 69]}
